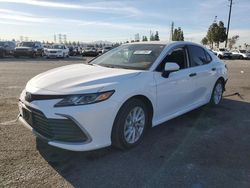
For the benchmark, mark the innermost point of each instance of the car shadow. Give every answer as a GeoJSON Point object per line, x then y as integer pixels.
{"type": "Point", "coordinates": [168, 153]}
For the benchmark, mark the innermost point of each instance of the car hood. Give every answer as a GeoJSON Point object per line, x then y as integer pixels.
{"type": "Point", "coordinates": [24, 48]}
{"type": "Point", "coordinates": [54, 49]}
{"type": "Point", "coordinates": [77, 79]}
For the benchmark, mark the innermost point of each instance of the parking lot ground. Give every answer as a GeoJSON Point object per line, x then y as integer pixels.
{"type": "Point", "coordinates": [208, 147]}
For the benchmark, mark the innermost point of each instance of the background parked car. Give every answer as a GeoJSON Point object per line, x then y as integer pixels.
{"type": "Point", "coordinates": [99, 50]}
{"type": "Point", "coordinates": [72, 51]}
{"type": "Point", "coordinates": [241, 54]}
{"type": "Point", "coordinates": [223, 53]}
{"type": "Point", "coordinates": [45, 47]}
{"type": "Point", "coordinates": [90, 51]}
{"type": "Point", "coordinates": [31, 49]}
{"type": "Point", "coordinates": [7, 48]}
{"type": "Point", "coordinates": [56, 51]}
{"type": "Point", "coordinates": [106, 49]}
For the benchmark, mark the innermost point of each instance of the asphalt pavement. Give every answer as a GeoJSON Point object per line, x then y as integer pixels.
{"type": "Point", "coordinates": [208, 147]}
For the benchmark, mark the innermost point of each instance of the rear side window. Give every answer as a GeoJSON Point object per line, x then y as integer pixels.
{"type": "Point", "coordinates": [209, 58]}
{"type": "Point", "coordinates": [198, 56]}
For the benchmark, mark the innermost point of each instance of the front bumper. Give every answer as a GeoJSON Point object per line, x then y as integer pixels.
{"type": "Point", "coordinates": [95, 121]}
{"type": "Point", "coordinates": [23, 53]}
{"type": "Point", "coordinates": [54, 55]}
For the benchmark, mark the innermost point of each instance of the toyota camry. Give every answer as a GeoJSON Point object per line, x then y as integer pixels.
{"type": "Point", "coordinates": [118, 96]}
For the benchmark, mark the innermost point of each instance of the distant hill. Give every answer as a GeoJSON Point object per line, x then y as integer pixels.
{"type": "Point", "coordinates": [102, 42]}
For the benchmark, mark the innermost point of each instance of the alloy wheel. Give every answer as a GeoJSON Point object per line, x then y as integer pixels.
{"type": "Point", "coordinates": [218, 91]}
{"type": "Point", "coordinates": [134, 125]}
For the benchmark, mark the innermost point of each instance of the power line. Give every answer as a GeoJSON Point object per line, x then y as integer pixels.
{"type": "Point", "coordinates": [229, 19]}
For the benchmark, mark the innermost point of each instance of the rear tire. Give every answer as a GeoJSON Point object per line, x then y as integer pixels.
{"type": "Point", "coordinates": [217, 93]}
{"type": "Point", "coordinates": [130, 124]}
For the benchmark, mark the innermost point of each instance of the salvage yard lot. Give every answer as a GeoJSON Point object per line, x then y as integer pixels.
{"type": "Point", "coordinates": [208, 147]}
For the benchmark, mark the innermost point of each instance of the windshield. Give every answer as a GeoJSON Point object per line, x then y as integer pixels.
{"type": "Point", "coordinates": [222, 50]}
{"type": "Point", "coordinates": [134, 56]}
{"type": "Point", "coordinates": [27, 44]}
{"type": "Point", "coordinates": [2, 43]}
{"type": "Point", "coordinates": [57, 47]}
{"type": "Point", "coordinates": [243, 51]}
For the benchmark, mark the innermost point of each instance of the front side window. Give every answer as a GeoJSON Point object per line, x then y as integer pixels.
{"type": "Point", "coordinates": [177, 56]}
{"type": "Point", "coordinates": [133, 56]}
{"type": "Point", "coordinates": [197, 56]}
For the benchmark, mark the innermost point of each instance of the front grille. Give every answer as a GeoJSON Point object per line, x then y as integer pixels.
{"type": "Point", "coordinates": [22, 50]}
{"type": "Point", "coordinates": [33, 97]}
{"type": "Point", "coordinates": [64, 130]}
{"type": "Point", "coordinates": [53, 52]}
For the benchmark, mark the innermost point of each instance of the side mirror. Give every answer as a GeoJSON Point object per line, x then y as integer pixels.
{"type": "Point", "coordinates": [170, 67]}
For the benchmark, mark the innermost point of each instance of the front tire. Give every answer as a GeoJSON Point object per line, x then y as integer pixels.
{"type": "Point", "coordinates": [217, 93]}
{"type": "Point", "coordinates": [33, 55]}
{"type": "Point", "coordinates": [130, 124]}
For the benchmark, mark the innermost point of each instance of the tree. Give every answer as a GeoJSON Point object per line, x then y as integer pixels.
{"type": "Point", "coordinates": [178, 35]}
{"type": "Point", "coordinates": [222, 32]}
{"type": "Point", "coordinates": [204, 41]}
{"type": "Point", "coordinates": [216, 34]}
{"type": "Point", "coordinates": [152, 37]}
{"type": "Point", "coordinates": [232, 41]}
{"type": "Point", "coordinates": [144, 38]}
{"type": "Point", "coordinates": [156, 37]}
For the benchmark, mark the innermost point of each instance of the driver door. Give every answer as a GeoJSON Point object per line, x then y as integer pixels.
{"type": "Point", "coordinates": [176, 92]}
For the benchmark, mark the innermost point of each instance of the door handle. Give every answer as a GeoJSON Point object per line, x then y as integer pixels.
{"type": "Point", "coordinates": [213, 69]}
{"type": "Point", "coordinates": [192, 74]}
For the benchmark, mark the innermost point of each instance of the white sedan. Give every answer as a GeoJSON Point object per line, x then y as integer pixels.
{"type": "Point", "coordinates": [241, 54]}
{"type": "Point", "coordinates": [118, 96]}
{"type": "Point", "coordinates": [56, 51]}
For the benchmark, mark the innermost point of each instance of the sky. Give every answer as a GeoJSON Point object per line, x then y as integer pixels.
{"type": "Point", "coordinates": [118, 20]}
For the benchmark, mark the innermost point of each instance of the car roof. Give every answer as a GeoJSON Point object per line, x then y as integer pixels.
{"type": "Point", "coordinates": [165, 43]}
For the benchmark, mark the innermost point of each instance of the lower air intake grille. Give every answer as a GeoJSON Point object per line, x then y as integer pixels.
{"type": "Point", "coordinates": [64, 130]}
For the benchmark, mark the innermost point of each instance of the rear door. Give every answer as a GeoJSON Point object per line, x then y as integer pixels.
{"type": "Point", "coordinates": [204, 71]}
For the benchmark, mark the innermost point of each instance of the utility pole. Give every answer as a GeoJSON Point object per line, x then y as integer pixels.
{"type": "Point", "coordinates": [229, 18]}
{"type": "Point", "coordinates": [171, 32]}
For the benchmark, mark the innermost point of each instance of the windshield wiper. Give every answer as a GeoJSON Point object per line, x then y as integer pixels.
{"type": "Point", "coordinates": [106, 65]}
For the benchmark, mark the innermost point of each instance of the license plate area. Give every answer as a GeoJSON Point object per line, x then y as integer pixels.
{"type": "Point", "coordinates": [27, 116]}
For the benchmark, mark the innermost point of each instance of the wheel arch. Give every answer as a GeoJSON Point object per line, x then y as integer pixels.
{"type": "Point", "coordinates": [223, 81]}
{"type": "Point", "coordinates": [146, 101]}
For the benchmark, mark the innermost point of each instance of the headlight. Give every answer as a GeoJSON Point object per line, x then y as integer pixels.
{"type": "Point", "coordinates": [75, 100]}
